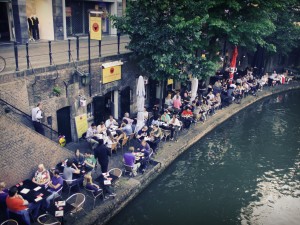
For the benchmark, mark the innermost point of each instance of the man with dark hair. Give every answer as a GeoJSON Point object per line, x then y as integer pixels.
{"type": "Point", "coordinates": [54, 185]}
{"type": "Point", "coordinates": [101, 153]}
{"type": "Point", "coordinates": [90, 161]}
{"type": "Point", "coordinates": [90, 135]}
{"type": "Point", "coordinates": [36, 116]}
{"type": "Point", "coordinates": [17, 204]}
{"type": "Point", "coordinates": [68, 172]}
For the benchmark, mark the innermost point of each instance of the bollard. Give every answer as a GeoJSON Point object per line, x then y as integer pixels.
{"type": "Point", "coordinates": [27, 55]}
{"type": "Point", "coordinates": [50, 52]}
{"type": "Point", "coordinates": [69, 51]}
{"type": "Point", "coordinates": [99, 48]}
{"type": "Point", "coordinates": [119, 36]}
{"type": "Point", "coordinates": [77, 47]}
{"type": "Point", "coordinates": [16, 55]}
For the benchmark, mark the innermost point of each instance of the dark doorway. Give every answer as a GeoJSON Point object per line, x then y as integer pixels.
{"type": "Point", "coordinates": [4, 27]}
{"type": "Point", "coordinates": [125, 101]}
{"type": "Point", "coordinates": [153, 84]}
{"type": "Point", "coordinates": [64, 123]}
{"type": "Point", "coordinates": [103, 107]}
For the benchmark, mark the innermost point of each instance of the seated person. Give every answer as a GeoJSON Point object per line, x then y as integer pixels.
{"type": "Point", "coordinates": [110, 139]}
{"type": "Point", "coordinates": [41, 176]}
{"type": "Point", "coordinates": [78, 158]}
{"type": "Point", "coordinates": [175, 122]}
{"type": "Point", "coordinates": [69, 171]}
{"type": "Point", "coordinates": [16, 203]}
{"type": "Point", "coordinates": [126, 117]}
{"type": "Point", "coordinates": [111, 122]}
{"type": "Point", "coordinates": [169, 102]}
{"type": "Point", "coordinates": [90, 161]}
{"type": "Point", "coordinates": [165, 117]}
{"type": "Point", "coordinates": [3, 196]}
{"type": "Point", "coordinates": [142, 133]}
{"type": "Point", "coordinates": [145, 148]}
{"type": "Point", "coordinates": [155, 135]}
{"type": "Point", "coordinates": [125, 130]}
{"type": "Point", "coordinates": [88, 184]}
{"type": "Point", "coordinates": [196, 113]}
{"type": "Point", "coordinates": [187, 117]}
{"type": "Point", "coordinates": [155, 120]}
{"type": "Point", "coordinates": [54, 185]}
{"type": "Point", "coordinates": [90, 135]}
{"type": "Point", "coordinates": [101, 128]}
{"type": "Point", "coordinates": [129, 160]}
{"type": "Point", "coordinates": [177, 103]}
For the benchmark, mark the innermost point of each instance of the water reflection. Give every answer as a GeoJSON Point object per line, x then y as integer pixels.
{"type": "Point", "coordinates": [247, 171]}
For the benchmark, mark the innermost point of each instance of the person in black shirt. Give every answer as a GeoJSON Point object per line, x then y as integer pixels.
{"type": "Point", "coordinates": [101, 153]}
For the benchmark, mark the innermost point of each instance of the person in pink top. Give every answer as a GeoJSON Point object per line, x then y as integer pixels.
{"type": "Point", "coordinates": [177, 103]}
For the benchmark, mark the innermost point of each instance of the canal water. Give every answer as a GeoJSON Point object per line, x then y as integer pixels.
{"type": "Point", "coordinates": [246, 171]}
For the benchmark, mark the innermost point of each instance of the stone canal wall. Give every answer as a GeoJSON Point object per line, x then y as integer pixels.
{"type": "Point", "coordinates": [129, 188]}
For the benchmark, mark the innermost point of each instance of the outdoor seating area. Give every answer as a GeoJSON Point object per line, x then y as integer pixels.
{"type": "Point", "coordinates": [116, 152]}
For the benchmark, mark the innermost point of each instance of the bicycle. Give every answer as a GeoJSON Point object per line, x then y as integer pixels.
{"type": "Point", "coordinates": [2, 64]}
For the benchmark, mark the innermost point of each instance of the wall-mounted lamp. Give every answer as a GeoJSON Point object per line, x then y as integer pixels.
{"type": "Point", "coordinates": [85, 78]}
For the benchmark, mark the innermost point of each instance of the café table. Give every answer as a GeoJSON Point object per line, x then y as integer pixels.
{"type": "Point", "coordinates": [32, 192]}
{"type": "Point", "coordinates": [60, 209]}
{"type": "Point", "coordinates": [139, 157]}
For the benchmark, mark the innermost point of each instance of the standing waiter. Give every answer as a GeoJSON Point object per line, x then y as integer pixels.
{"type": "Point", "coordinates": [36, 119]}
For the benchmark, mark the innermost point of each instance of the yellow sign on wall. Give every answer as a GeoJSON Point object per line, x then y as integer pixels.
{"type": "Point", "coordinates": [111, 74]}
{"type": "Point", "coordinates": [81, 124]}
{"type": "Point", "coordinates": [170, 81]}
{"type": "Point", "coordinates": [95, 27]}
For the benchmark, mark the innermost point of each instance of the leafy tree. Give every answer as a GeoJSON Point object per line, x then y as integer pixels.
{"type": "Point", "coordinates": [165, 36]}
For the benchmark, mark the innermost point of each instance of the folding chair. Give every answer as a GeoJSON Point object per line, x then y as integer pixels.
{"type": "Point", "coordinates": [94, 194]}
{"type": "Point", "coordinates": [76, 200]}
{"type": "Point", "coordinates": [48, 219]}
{"type": "Point", "coordinates": [129, 170]}
{"type": "Point", "coordinates": [9, 222]}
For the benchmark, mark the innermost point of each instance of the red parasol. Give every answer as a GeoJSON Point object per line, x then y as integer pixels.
{"type": "Point", "coordinates": [233, 63]}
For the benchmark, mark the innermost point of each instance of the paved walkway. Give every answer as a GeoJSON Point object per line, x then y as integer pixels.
{"type": "Point", "coordinates": [39, 52]}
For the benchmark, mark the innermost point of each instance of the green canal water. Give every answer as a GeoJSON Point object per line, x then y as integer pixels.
{"type": "Point", "coordinates": [246, 171]}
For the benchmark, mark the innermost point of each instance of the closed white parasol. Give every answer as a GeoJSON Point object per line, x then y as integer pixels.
{"type": "Point", "coordinates": [140, 93]}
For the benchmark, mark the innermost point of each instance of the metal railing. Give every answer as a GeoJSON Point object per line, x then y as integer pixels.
{"type": "Point", "coordinates": [40, 54]}
{"type": "Point", "coordinates": [49, 132]}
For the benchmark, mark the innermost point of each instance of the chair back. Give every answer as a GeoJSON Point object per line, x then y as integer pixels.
{"type": "Point", "coordinates": [19, 217]}
{"type": "Point", "coordinates": [114, 146]}
{"type": "Point", "coordinates": [116, 172]}
{"type": "Point", "coordinates": [124, 141]}
{"type": "Point", "coordinates": [128, 168]}
{"type": "Point", "coordinates": [48, 219]}
{"type": "Point", "coordinates": [10, 222]}
{"type": "Point", "coordinates": [76, 200]}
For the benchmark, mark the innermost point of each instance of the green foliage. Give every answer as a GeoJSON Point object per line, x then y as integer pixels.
{"type": "Point", "coordinates": [165, 35]}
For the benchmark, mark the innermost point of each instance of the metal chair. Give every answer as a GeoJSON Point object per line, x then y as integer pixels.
{"type": "Point", "coordinates": [114, 147]}
{"type": "Point", "coordinates": [76, 200]}
{"type": "Point", "coordinates": [48, 219]}
{"type": "Point", "coordinates": [70, 183]}
{"type": "Point", "coordinates": [166, 133]}
{"type": "Point", "coordinates": [9, 222]}
{"type": "Point", "coordinates": [129, 170]}
{"type": "Point", "coordinates": [94, 194]}
{"type": "Point", "coordinates": [21, 217]}
{"type": "Point", "coordinates": [117, 173]}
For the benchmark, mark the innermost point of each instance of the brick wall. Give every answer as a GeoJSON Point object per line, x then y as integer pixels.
{"type": "Point", "coordinates": [16, 94]}
{"type": "Point", "coordinates": [23, 149]}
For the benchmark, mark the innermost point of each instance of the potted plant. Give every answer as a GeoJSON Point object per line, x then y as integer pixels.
{"type": "Point", "coordinates": [56, 91]}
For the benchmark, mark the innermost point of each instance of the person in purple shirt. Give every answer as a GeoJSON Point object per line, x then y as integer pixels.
{"type": "Point", "coordinates": [145, 148]}
{"type": "Point", "coordinates": [129, 160]}
{"type": "Point", "coordinates": [54, 185]}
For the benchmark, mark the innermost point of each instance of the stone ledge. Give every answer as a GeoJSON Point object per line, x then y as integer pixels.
{"type": "Point", "coordinates": [129, 188]}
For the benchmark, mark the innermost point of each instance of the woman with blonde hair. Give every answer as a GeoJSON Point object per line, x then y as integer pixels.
{"type": "Point", "coordinates": [88, 183]}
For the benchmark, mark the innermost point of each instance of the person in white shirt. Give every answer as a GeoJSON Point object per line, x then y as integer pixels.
{"type": "Point", "coordinates": [111, 122]}
{"type": "Point", "coordinates": [90, 134]}
{"type": "Point", "coordinates": [36, 116]}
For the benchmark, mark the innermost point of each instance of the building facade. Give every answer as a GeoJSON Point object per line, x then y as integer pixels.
{"type": "Point", "coordinates": [56, 19]}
